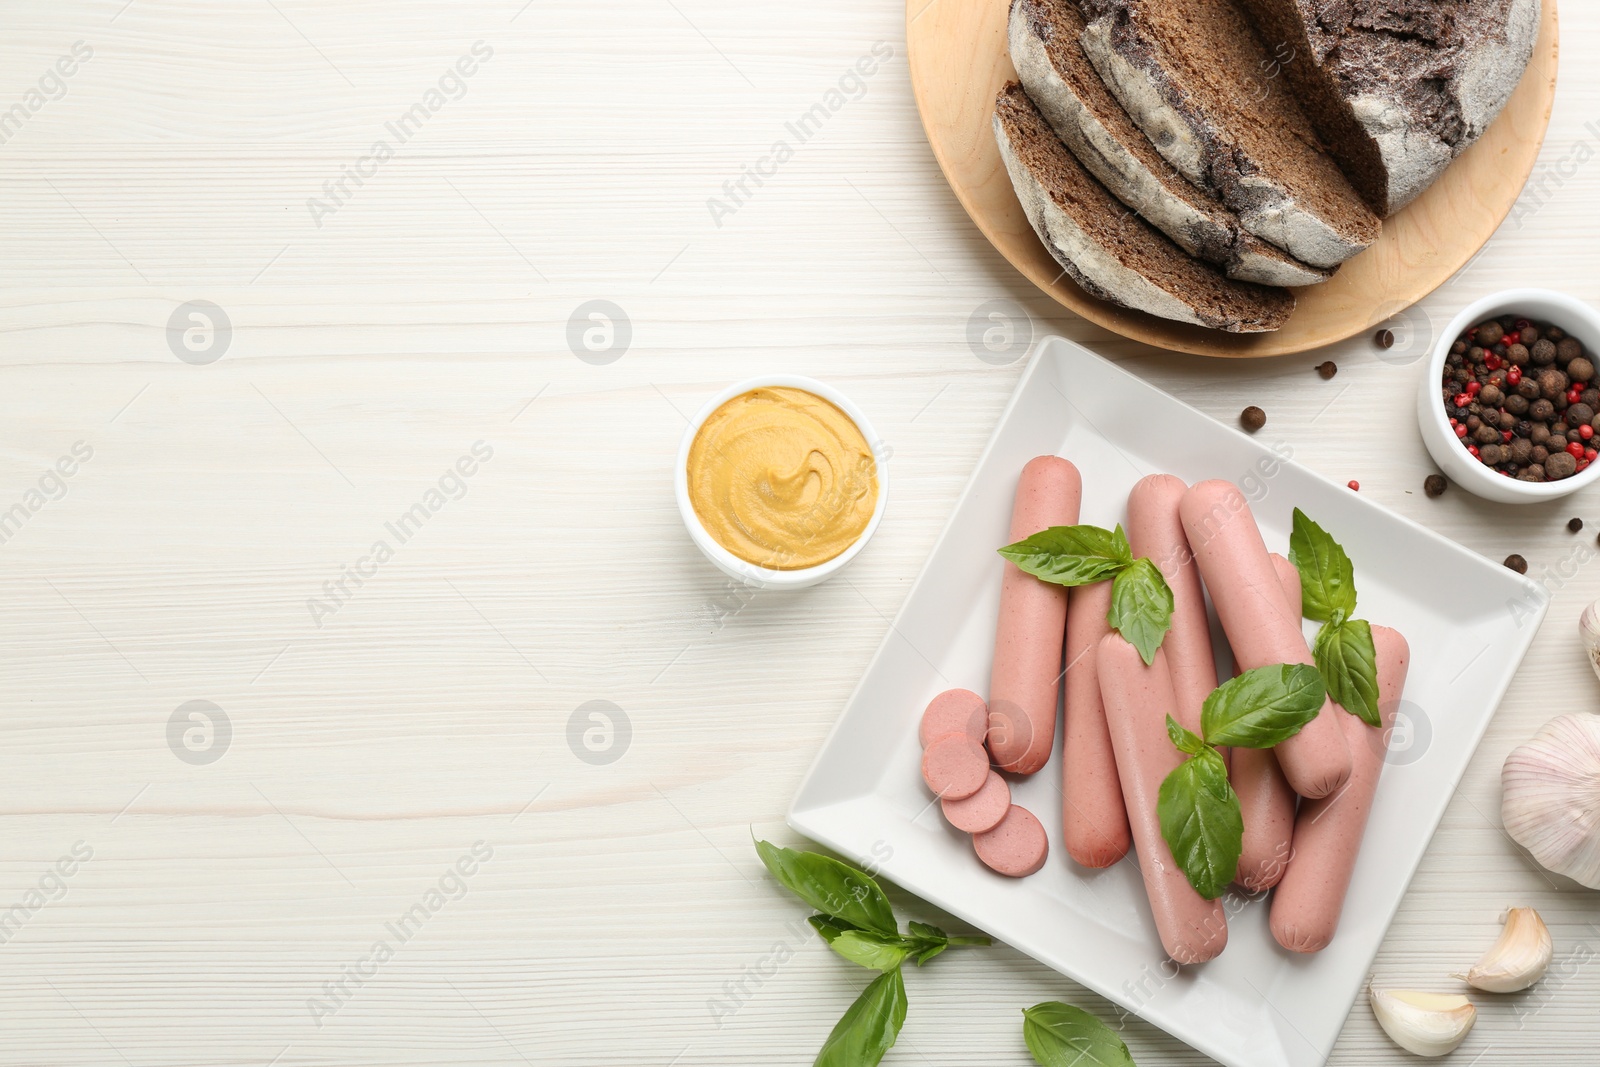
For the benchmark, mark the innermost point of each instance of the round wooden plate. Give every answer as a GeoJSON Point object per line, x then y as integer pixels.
{"type": "Point", "coordinates": [959, 62]}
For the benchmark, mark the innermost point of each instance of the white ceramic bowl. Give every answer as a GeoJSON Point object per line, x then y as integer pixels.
{"type": "Point", "coordinates": [750, 573]}
{"type": "Point", "coordinates": [1541, 305]}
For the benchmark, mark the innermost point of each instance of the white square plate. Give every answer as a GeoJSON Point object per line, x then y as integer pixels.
{"type": "Point", "coordinates": [1256, 1005]}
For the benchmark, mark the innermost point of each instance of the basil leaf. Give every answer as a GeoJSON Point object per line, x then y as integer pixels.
{"type": "Point", "coordinates": [832, 887]}
{"type": "Point", "coordinates": [1071, 555]}
{"type": "Point", "coordinates": [1349, 665]}
{"type": "Point", "coordinates": [1182, 739]}
{"type": "Point", "coordinates": [1060, 1035]}
{"type": "Point", "coordinates": [1263, 707]}
{"type": "Point", "coordinates": [868, 1028]}
{"type": "Point", "coordinates": [873, 951]}
{"type": "Point", "coordinates": [923, 930]}
{"type": "Point", "coordinates": [1141, 607]}
{"type": "Point", "coordinates": [829, 927]}
{"type": "Point", "coordinates": [931, 951]}
{"type": "Point", "coordinates": [1327, 577]}
{"type": "Point", "coordinates": [1202, 823]}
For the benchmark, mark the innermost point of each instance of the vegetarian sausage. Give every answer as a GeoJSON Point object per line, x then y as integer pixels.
{"type": "Point", "coordinates": [1249, 600]}
{"type": "Point", "coordinates": [981, 811]}
{"type": "Point", "coordinates": [1138, 699]}
{"type": "Point", "coordinates": [1155, 530]}
{"type": "Point", "coordinates": [1327, 833]}
{"type": "Point", "coordinates": [955, 766]}
{"type": "Point", "coordinates": [1265, 799]}
{"type": "Point", "coordinates": [1025, 681]}
{"type": "Point", "coordinates": [1094, 820]}
{"type": "Point", "coordinates": [955, 711]}
{"type": "Point", "coordinates": [1016, 847]}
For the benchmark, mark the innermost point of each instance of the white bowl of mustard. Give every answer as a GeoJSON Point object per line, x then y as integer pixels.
{"type": "Point", "coordinates": [781, 481]}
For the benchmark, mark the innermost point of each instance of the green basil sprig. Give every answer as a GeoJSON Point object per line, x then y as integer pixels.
{"type": "Point", "coordinates": [1198, 810]}
{"type": "Point", "coordinates": [1343, 648]}
{"type": "Point", "coordinates": [1060, 1035]}
{"type": "Point", "coordinates": [855, 919]}
{"type": "Point", "coordinates": [1141, 601]}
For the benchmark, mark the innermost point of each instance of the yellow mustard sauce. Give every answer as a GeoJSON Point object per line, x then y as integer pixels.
{"type": "Point", "coordinates": [782, 478]}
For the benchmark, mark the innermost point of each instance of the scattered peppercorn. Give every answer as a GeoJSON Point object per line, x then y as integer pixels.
{"type": "Point", "coordinates": [1328, 369]}
{"type": "Point", "coordinates": [1354, 485]}
{"type": "Point", "coordinates": [1575, 524]}
{"type": "Point", "coordinates": [1435, 485]}
{"type": "Point", "coordinates": [1252, 418]}
{"type": "Point", "coordinates": [1517, 563]}
{"type": "Point", "coordinates": [1384, 339]}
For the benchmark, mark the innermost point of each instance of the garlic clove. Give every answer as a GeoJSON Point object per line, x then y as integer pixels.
{"type": "Point", "coordinates": [1551, 803]}
{"type": "Point", "coordinates": [1518, 959]}
{"type": "Point", "coordinates": [1589, 634]}
{"type": "Point", "coordinates": [1428, 1024]}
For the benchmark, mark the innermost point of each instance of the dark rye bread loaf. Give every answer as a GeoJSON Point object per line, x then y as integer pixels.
{"type": "Point", "coordinates": [1110, 251]}
{"type": "Point", "coordinates": [1399, 88]}
{"type": "Point", "coordinates": [1197, 80]}
{"type": "Point", "coordinates": [1045, 49]}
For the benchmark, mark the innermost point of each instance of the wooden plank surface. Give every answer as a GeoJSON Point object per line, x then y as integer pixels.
{"type": "Point", "coordinates": [372, 746]}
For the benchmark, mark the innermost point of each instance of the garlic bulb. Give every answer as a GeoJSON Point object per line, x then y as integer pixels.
{"type": "Point", "coordinates": [1551, 802]}
{"type": "Point", "coordinates": [1589, 634]}
{"type": "Point", "coordinates": [1428, 1024]}
{"type": "Point", "coordinates": [1518, 959]}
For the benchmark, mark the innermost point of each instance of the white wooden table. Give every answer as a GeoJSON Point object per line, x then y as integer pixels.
{"type": "Point", "coordinates": [376, 338]}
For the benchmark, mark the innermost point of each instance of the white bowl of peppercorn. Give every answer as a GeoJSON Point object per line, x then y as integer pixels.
{"type": "Point", "coordinates": [1510, 404]}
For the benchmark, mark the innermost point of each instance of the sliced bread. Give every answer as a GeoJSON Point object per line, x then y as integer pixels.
{"type": "Point", "coordinates": [1046, 50]}
{"type": "Point", "coordinates": [1107, 249]}
{"type": "Point", "coordinates": [1197, 80]}
{"type": "Point", "coordinates": [1399, 88]}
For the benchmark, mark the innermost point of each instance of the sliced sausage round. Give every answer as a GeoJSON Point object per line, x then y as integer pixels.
{"type": "Point", "coordinates": [955, 711]}
{"type": "Point", "coordinates": [955, 766]}
{"type": "Point", "coordinates": [1016, 847]}
{"type": "Point", "coordinates": [981, 811]}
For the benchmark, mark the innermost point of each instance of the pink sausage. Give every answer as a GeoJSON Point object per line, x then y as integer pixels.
{"type": "Point", "coordinates": [1138, 700]}
{"type": "Point", "coordinates": [981, 811]}
{"type": "Point", "coordinates": [1265, 799]}
{"type": "Point", "coordinates": [955, 766]}
{"type": "Point", "coordinates": [1016, 847]}
{"type": "Point", "coordinates": [1094, 819]}
{"type": "Point", "coordinates": [1249, 601]}
{"type": "Point", "coordinates": [1025, 682]}
{"type": "Point", "coordinates": [1155, 530]}
{"type": "Point", "coordinates": [955, 711]}
{"type": "Point", "coordinates": [1327, 835]}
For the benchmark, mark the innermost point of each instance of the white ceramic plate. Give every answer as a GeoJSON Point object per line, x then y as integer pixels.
{"type": "Point", "coordinates": [1256, 1005]}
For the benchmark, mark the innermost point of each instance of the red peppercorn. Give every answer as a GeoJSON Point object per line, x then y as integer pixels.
{"type": "Point", "coordinates": [1586, 431]}
{"type": "Point", "coordinates": [1353, 484]}
{"type": "Point", "coordinates": [1514, 376]}
{"type": "Point", "coordinates": [1505, 474]}
{"type": "Point", "coordinates": [1505, 435]}
{"type": "Point", "coordinates": [1590, 454]}
{"type": "Point", "coordinates": [1473, 449]}
{"type": "Point", "coordinates": [1493, 362]}
{"type": "Point", "coordinates": [1461, 431]}
{"type": "Point", "coordinates": [1474, 388]}
{"type": "Point", "coordinates": [1575, 394]}
{"type": "Point", "coordinates": [1575, 450]}
{"type": "Point", "coordinates": [1463, 399]}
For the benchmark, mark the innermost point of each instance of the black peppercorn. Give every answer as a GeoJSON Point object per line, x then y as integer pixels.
{"type": "Point", "coordinates": [1574, 525]}
{"type": "Point", "coordinates": [1517, 563]}
{"type": "Point", "coordinates": [1252, 418]}
{"type": "Point", "coordinates": [1435, 485]}
{"type": "Point", "coordinates": [1328, 369]}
